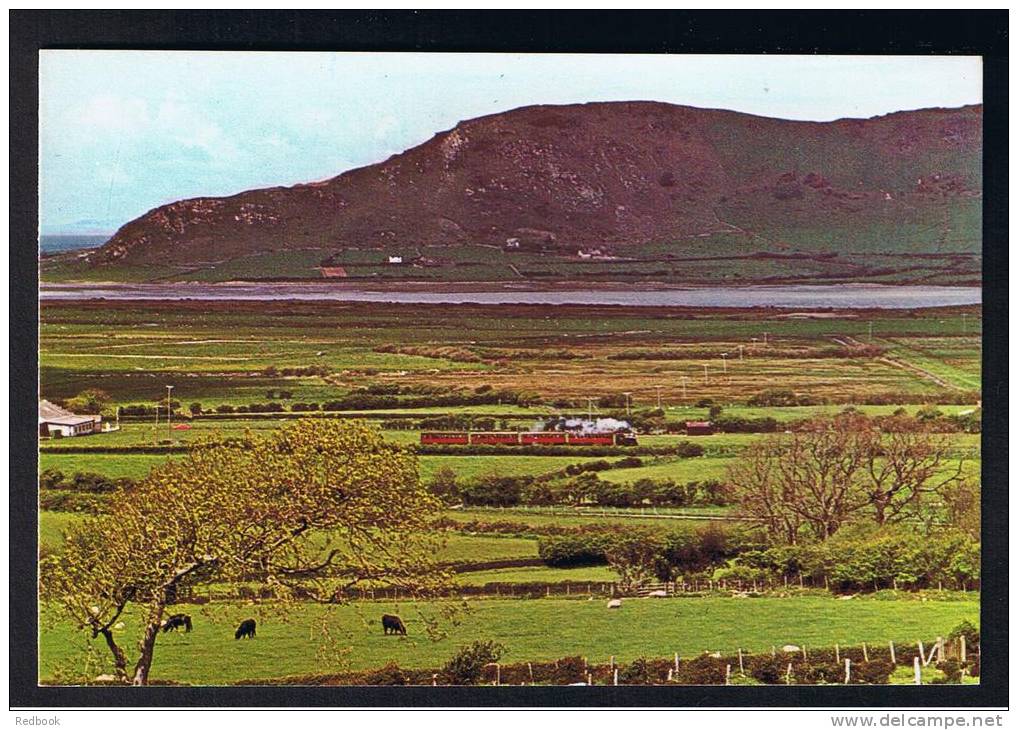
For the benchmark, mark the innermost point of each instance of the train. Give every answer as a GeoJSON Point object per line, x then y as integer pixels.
{"type": "Point", "coordinates": [531, 438]}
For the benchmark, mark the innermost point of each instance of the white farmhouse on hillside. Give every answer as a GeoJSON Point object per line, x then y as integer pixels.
{"type": "Point", "coordinates": [54, 420]}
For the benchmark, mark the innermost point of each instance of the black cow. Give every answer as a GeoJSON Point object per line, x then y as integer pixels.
{"type": "Point", "coordinates": [177, 620]}
{"type": "Point", "coordinates": [392, 624]}
{"type": "Point", "coordinates": [246, 628]}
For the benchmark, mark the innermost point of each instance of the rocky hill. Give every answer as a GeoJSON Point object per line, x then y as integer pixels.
{"type": "Point", "coordinates": [635, 181]}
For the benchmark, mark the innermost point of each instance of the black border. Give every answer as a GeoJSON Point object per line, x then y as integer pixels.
{"type": "Point", "coordinates": [921, 32]}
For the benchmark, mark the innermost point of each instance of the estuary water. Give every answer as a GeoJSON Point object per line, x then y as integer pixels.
{"type": "Point", "coordinates": [838, 296]}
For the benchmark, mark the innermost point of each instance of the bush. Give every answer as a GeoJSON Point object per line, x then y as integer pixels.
{"type": "Point", "coordinates": [495, 491]}
{"type": "Point", "coordinates": [781, 397]}
{"type": "Point", "coordinates": [574, 550]}
{"type": "Point", "coordinates": [467, 665]}
{"type": "Point", "coordinates": [737, 424]}
{"type": "Point", "coordinates": [969, 631]}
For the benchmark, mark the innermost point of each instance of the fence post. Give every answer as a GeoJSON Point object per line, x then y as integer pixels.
{"type": "Point", "coordinates": [788, 674]}
{"type": "Point", "coordinates": [848, 670]}
{"type": "Point", "coordinates": [434, 680]}
{"type": "Point", "coordinates": [677, 657]}
{"type": "Point", "coordinates": [961, 641]}
{"type": "Point", "coordinates": [530, 668]}
{"type": "Point", "coordinates": [742, 668]}
{"type": "Point", "coordinates": [837, 654]}
{"type": "Point", "coordinates": [922, 652]}
{"type": "Point", "coordinates": [804, 657]}
{"type": "Point", "coordinates": [728, 674]}
{"type": "Point", "coordinates": [865, 653]}
{"type": "Point", "coordinates": [590, 679]}
{"type": "Point", "coordinates": [940, 649]}
{"type": "Point", "coordinates": [671, 674]}
{"type": "Point", "coordinates": [918, 671]}
{"type": "Point", "coordinates": [616, 678]}
{"type": "Point", "coordinates": [893, 659]}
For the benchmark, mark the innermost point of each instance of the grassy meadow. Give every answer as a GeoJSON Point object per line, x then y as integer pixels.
{"type": "Point", "coordinates": [320, 639]}
{"type": "Point", "coordinates": [546, 363]}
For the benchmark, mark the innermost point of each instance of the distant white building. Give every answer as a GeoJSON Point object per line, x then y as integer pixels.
{"type": "Point", "coordinates": [395, 259]}
{"type": "Point", "coordinates": [55, 420]}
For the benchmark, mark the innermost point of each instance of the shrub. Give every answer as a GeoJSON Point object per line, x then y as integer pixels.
{"type": "Point", "coordinates": [467, 665]}
{"type": "Point", "coordinates": [968, 630]}
{"type": "Point", "coordinates": [574, 550]}
{"type": "Point", "coordinates": [444, 486]}
{"type": "Point", "coordinates": [495, 491]}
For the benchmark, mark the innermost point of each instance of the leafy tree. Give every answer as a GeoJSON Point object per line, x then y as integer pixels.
{"type": "Point", "coordinates": [444, 486]}
{"type": "Point", "coordinates": [307, 510]}
{"type": "Point", "coordinates": [635, 557]}
{"type": "Point", "coordinates": [195, 408]}
{"type": "Point", "coordinates": [91, 401]}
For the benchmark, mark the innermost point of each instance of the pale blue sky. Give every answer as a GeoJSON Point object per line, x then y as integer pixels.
{"type": "Point", "coordinates": [125, 131]}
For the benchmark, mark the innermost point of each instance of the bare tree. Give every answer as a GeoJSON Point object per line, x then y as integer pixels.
{"type": "Point", "coordinates": [905, 461]}
{"type": "Point", "coordinates": [758, 491]}
{"type": "Point", "coordinates": [831, 470]}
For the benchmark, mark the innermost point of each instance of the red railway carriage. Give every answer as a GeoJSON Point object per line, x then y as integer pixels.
{"type": "Point", "coordinates": [445, 437]}
{"type": "Point", "coordinates": [543, 437]}
{"type": "Point", "coordinates": [495, 438]}
{"type": "Point", "coordinates": [592, 439]}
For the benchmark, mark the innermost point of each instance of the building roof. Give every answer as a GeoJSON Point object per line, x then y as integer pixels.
{"type": "Point", "coordinates": [51, 413]}
{"type": "Point", "coordinates": [698, 424]}
{"type": "Point", "coordinates": [49, 410]}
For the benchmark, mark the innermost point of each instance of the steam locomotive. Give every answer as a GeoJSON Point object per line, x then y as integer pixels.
{"type": "Point", "coordinates": [532, 438]}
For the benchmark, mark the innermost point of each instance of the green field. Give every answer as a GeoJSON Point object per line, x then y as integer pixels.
{"type": "Point", "coordinates": [541, 629]}
{"type": "Point", "coordinates": [458, 549]}
{"type": "Point", "coordinates": [541, 364]}
{"type": "Point", "coordinates": [218, 354]}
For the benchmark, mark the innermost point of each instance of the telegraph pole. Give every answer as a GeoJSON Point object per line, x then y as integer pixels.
{"type": "Point", "coordinates": [706, 378]}
{"type": "Point", "coordinates": [724, 362]}
{"type": "Point", "coordinates": [658, 387]}
{"type": "Point", "coordinates": [740, 352]}
{"type": "Point", "coordinates": [169, 413]}
{"type": "Point", "coordinates": [629, 403]}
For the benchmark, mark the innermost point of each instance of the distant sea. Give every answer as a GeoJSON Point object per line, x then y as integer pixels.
{"type": "Point", "coordinates": [57, 244]}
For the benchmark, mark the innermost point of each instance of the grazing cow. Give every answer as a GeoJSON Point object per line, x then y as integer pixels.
{"type": "Point", "coordinates": [392, 624]}
{"type": "Point", "coordinates": [177, 620]}
{"type": "Point", "coordinates": [246, 628]}
{"type": "Point", "coordinates": [615, 603]}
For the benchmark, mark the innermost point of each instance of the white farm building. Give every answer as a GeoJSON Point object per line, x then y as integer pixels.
{"type": "Point", "coordinates": [54, 421]}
